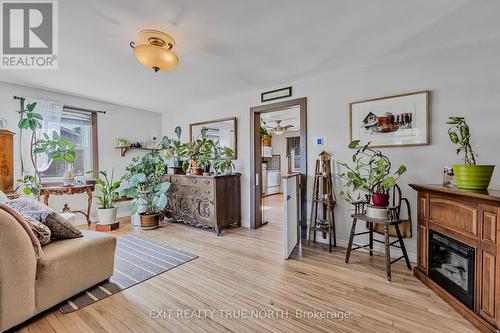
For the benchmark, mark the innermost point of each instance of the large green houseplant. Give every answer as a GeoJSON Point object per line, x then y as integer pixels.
{"type": "Point", "coordinates": [370, 175]}
{"type": "Point", "coordinates": [148, 191]}
{"type": "Point", "coordinates": [144, 176]}
{"type": "Point", "coordinates": [108, 191]}
{"type": "Point", "coordinates": [468, 175]}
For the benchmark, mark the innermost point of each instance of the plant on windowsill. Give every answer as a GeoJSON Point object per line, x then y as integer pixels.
{"type": "Point", "coordinates": [108, 192]}
{"type": "Point", "coordinates": [223, 163]}
{"type": "Point", "coordinates": [371, 174]}
{"type": "Point", "coordinates": [58, 149]}
{"type": "Point", "coordinates": [467, 175]}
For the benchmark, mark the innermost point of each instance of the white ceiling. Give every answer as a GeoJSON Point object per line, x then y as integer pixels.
{"type": "Point", "coordinates": [229, 46]}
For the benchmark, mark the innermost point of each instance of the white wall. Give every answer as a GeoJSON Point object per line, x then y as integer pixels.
{"type": "Point", "coordinates": [279, 148]}
{"type": "Point", "coordinates": [464, 81]}
{"type": "Point", "coordinates": [119, 121]}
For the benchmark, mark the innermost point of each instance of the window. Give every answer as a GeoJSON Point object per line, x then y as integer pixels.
{"type": "Point", "coordinates": [80, 128]}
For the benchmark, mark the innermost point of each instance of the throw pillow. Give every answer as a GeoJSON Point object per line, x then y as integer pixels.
{"type": "Point", "coordinates": [41, 231]}
{"type": "Point", "coordinates": [60, 227]}
{"type": "Point", "coordinates": [31, 207]}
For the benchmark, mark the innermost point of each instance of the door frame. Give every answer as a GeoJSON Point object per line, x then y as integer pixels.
{"type": "Point", "coordinates": [255, 157]}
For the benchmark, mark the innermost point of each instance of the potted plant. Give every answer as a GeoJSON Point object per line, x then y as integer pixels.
{"type": "Point", "coordinates": [223, 162]}
{"type": "Point", "coordinates": [371, 173]}
{"type": "Point", "coordinates": [175, 148]}
{"type": "Point", "coordinates": [265, 137]}
{"type": "Point", "coordinates": [148, 191]}
{"type": "Point", "coordinates": [152, 165]}
{"type": "Point", "coordinates": [468, 175]}
{"type": "Point", "coordinates": [108, 192]}
{"type": "Point", "coordinates": [207, 156]}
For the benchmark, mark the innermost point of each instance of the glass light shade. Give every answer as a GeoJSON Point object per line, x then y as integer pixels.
{"type": "Point", "coordinates": [153, 56]}
{"type": "Point", "coordinates": [278, 132]}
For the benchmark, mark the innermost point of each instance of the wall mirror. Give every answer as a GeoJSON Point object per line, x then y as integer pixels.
{"type": "Point", "coordinates": [223, 131]}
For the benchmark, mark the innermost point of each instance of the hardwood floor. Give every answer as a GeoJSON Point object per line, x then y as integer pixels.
{"type": "Point", "coordinates": [243, 270]}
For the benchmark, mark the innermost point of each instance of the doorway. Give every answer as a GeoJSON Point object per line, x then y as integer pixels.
{"type": "Point", "coordinates": [264, 197]}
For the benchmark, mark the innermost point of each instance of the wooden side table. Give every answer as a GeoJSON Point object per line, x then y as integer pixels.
{"type": "Point", "coordinates": [48, 190]}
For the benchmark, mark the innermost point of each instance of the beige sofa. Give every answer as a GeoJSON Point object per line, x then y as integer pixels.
{"type": "Point", "coordinates": [29, 285]}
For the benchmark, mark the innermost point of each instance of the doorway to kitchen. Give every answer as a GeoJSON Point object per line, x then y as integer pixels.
{"type": "Point", "coordinates": [278, 150]}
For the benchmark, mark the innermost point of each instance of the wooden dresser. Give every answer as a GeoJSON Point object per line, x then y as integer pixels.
{"type": "Point", "coordinates": [472, 219]}
{"type": "Point", "coordinates": [205, 201]}
{"type": "Point", "coordinates": [6, 161]}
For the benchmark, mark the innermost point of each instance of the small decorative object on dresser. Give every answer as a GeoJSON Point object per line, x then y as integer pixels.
{"type": "Point", "coordinates": [205, 201]}
{"type": "Point", "coordinates": [468, 175]}
{"type": "Point", "coordinates": [458, 250]}
{"type": "Point", "coordinates": [108, 193]}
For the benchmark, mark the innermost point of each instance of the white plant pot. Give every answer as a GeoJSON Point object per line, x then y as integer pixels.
{"type": "Point", "coordinates": [376, 212]}
{"type": "Point", "coordinates": [107, 215]}
{"type": "Point", "coordinates": [135, 219]}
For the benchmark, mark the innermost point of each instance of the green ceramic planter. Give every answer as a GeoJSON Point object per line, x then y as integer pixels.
{"type": "Point", "coordinates": [473, 177]}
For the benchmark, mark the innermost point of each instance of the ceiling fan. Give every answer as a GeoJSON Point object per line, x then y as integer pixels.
{"type": "Point", "coordinates": [278, 129]}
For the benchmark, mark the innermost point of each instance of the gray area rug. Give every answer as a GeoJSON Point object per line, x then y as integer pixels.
{"type": "Point", "coordinates": [136, 260]}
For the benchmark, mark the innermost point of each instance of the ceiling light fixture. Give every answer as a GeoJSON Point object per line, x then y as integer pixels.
{"type": "Point", "coordinates": [153, 49]}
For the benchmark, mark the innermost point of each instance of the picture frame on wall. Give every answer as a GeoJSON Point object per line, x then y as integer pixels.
{"type": "Point", "coordinates": [392, 121]}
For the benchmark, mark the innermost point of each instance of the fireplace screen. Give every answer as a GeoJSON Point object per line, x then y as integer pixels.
{"type": "Point", "coordinates": [451, 265]}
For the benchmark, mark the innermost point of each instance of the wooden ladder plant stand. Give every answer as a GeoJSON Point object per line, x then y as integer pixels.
{"type": "Point", "coordinates": [326, 223]}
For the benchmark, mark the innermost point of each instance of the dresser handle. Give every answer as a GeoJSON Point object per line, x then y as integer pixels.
{"type": "Point", "coordinates": [194, 181]}
{"type": "Point", "coordinates": [207, 181]}
{"type": "Point", "coordinates": [207, 191]}
{"type": "Point", "coordinates": [174, 180]}
{"type": "Point", "coordinates": [193, 190]}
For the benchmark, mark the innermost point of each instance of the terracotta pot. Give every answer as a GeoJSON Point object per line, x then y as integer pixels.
{"type": "Point", "coordinates": [198, 171]}
{"type": "Point", "coordinates": [194, 164]}
{"type": "Point", "coordinates": [380, 199]}
{"type": "Point", "coordinates": [149, 221]}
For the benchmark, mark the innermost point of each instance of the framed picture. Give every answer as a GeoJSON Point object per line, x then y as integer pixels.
{"type": "Point", "coordinates": [400, 120]}
{"type": "Point", "coordinates": [276, 94]}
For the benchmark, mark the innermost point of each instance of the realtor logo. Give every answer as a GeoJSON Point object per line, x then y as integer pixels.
{"type": "Point", "coordinates": [29, 34]}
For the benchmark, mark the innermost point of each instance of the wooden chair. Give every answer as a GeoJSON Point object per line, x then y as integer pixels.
{"type": "Point", "coordinates": [393, 219]}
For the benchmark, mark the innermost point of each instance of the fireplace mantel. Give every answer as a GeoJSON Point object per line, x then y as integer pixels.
{"type": "Point", "coordinates": [471, 218]}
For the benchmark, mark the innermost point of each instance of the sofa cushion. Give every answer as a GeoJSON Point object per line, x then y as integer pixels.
{"type": "Point", "coordinates": [60, 227]}
{"type": "Point", "coordinates": [37, 247]}
{"type": "Point", "coordinates": [70, 266]}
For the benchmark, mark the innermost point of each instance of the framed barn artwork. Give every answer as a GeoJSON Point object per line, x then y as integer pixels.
{"type": "Point", "coordinates": [400, 120]}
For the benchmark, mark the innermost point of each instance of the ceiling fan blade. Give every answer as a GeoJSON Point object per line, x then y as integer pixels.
{"type": "Point", "coordinates": [287, 127]}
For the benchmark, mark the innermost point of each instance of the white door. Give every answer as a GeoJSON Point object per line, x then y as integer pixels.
{"type": "Point", "coordinates": [290, 214]}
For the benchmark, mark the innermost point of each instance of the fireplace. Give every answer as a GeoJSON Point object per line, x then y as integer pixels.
{"type": "Point", "coordinates": [451, 265]}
